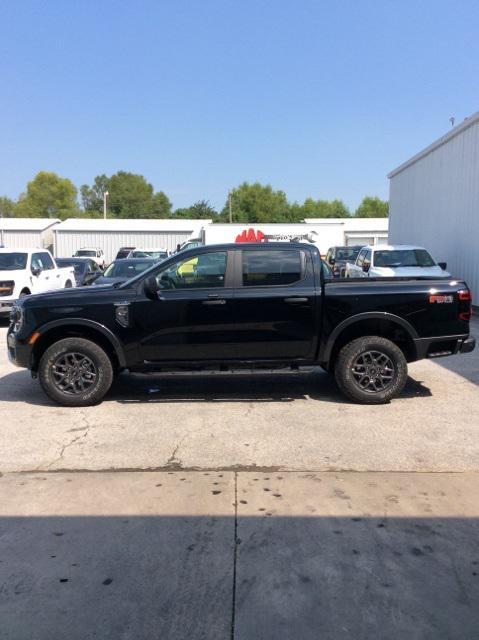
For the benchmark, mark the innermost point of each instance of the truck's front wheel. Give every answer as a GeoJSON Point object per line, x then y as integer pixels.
{"type": "Point", "coordinates": [371, 370]}
{"type": "Point", "coordinates": [75, 372]}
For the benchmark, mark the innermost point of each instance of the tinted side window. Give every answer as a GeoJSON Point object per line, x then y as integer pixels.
{"type": "Point", "coordinates": [275, 267]}
{"type": "Point", "coordinates": [360, 259]}
{"type": "Point", "coordinates": [42, 261]}
{"type": "Point", "coordinates": [367, 257]}
{"type": "Point", "coordinates": [47, 261]}
{"type": "Point", "coordinates": [198, 272]}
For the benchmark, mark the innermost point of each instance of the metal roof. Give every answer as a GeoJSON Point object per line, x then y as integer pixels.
{"type": "Point", "coordinates": [27, 224]}
{"type": "Point", "coordinates": [130, 224]}
{"type": "Point", "coordinates": [468, 122]}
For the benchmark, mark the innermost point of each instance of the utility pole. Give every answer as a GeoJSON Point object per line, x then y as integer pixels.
{"type": "Point", "coordinates": [105, 196]}
{"type": "Point", "coordinates": [229, 205]}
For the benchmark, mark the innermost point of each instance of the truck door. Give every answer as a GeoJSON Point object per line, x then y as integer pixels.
{"type": "Point", "coordinates": [192, 319]}
{"type": "Point", "coordinates": [275, 304]}
{"type": "Point", "coordinates": [43, 272]}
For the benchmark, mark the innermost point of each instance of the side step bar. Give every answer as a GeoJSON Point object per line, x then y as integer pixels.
{"type": "Point", "coordinates": [229, 372]}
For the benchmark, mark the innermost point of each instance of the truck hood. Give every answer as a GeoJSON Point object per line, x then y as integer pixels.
{"type": "Point", "coordinates": [10, 275]}
{"type": "Point", "coordinates": [411, 272]}
{"type": "Point", "coordinates": [66, 296]}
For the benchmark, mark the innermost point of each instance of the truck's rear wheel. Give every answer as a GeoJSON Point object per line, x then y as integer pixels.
{"type": "Point", "coordinates": [371, 370]}
{"type": "Point", "coordinates": [75, 372]}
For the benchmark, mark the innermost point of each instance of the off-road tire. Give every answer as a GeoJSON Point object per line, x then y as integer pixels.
{"type": "Point", "coordinates": [94, 353]}
{"type": "Point", "coordinates": [348, 357]}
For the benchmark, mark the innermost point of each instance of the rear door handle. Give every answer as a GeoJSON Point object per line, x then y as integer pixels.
{"type": "Point", "coordinates": [296, 300]}
{"type": "Point", "coordinates": [214, 302]}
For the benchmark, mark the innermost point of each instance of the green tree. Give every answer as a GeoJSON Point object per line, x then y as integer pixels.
{"type": "Point", "coordinates": [161, 206]}
{"type": "Point", "coordinates": [256, 203]}
{"type": "Point", "coordinates": [372, 207]}
{"type": "Point", "coordinates": [48, 196]}
{"type": "Point", "coordinates": [129, 196]}
{"type": "Point", "coordinates": [321, 209]}
{"type": "Point", "coordinates": [199, 211]}
{"type": "Point", "coordinates": [92, 197]}
{"type": "Point", "coordinates": [7, 207]}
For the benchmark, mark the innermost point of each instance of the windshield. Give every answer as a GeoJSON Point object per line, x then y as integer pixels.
{"type": "Point", "coordinates": [79, 267]}
{"type": "Point", "coordinates": [347, 253]}
{"type": "Point", "coordinates": [126, 269]}
{"type": "Point", "coordinates": [87, 253]}
{"type": "Point", "coordinates": [156, 255]}
{"type": "Point", "coordinates": [403, 258]}
{"type": "Point", "coordinates": [13, 261]}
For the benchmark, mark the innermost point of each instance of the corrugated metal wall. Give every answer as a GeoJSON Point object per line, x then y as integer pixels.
{"type": "Point", "coordinates": [435, 202]}
{"type": "Point", "coordinates": [26, 239]}
{"type": "Point", "coordinates": [67, 242]}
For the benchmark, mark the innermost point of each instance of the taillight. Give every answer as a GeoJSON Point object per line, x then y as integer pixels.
{"type": "Point", "coordinates": [465, 310]}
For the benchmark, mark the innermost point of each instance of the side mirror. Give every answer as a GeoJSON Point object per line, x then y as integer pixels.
{"type": "Point", "coordinates": [151, 288]}
{"type": "Point", "coordinates": [443, 265]}
{"type": "Point", "coordinates": [366, 267]}
{"type": "Point", "coordinates": [332, 261]}
{"type": "Point", "coordinates": [36, 271]}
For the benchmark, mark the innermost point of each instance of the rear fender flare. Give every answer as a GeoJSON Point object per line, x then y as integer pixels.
{"type": "Point", "coordinates": [368, 315]}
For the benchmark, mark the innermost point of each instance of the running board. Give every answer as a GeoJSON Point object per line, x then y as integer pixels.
{"type": "Point", "coordinates": [228, 372]}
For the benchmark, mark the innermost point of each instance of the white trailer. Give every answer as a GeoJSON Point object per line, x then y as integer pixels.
{"type": "Point", "coordinates": [322, 232]}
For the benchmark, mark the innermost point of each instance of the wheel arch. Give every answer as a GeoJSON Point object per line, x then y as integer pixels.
{"type": "Point", "coordinates": [386, 325]}
{"type": "Point", "coordinates": [79, 328]}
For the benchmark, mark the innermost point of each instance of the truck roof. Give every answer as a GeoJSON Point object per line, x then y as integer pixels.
{"type": "Point", "coordinates": [257, 245]}
{"type": "Point", "coordinates": [17, 250]}
{"type": "Point", "coordinates": [394, 247]}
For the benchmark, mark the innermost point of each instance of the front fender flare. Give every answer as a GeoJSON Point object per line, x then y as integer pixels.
{"type": "Point", "coordinates": [91, 324]}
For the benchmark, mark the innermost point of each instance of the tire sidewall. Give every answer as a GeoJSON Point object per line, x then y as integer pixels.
{"type": "Point", "coordinates": [348, 355]}
{"type": "Point", "coordinates": [95, 353]}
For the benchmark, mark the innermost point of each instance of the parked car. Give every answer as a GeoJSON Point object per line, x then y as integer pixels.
{"type": "Point", "coordinates": [242, 305]}
{"type": "Point", "coordinates": [124, 252]}
{"type": "Point", "coordinates": [86, 269]}
{"type": "Point", "coordinates": [157, 254]}
{"type": "Point", "coordinates": [94, 253]}
{"type": "Point", "coordinates": [383, 261]}
{"type": "Point", "coordinates": [338, 257]}
{"type": "Point", "coordinates": [123, 270]}
{"type": "Point", "coordinates": [26, 271]}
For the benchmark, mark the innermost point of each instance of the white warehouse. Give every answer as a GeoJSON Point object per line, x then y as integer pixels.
{"type": "Point", "coordinates": [434, 201]}
{"type": "Point", "coordinates": [23, 233]}
{"type": "Point", "coordinates": [111, 234]}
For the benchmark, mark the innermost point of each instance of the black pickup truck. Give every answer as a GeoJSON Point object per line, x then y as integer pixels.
{"type": "Point", "coordinates": [237, 306]}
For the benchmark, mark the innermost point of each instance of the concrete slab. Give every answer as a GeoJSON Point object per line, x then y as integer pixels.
{"type": "Point", "coordinates": [131, 556]}
{"type": "Point", "coordinates": [292, 423]}
{"type": "Point", "coordinates": [357, 556]}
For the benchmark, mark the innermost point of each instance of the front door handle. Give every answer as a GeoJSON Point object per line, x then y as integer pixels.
{"type": "Point", "coordinates": [214, 302]}
{"type": "Point", "coordinates": [296, 300]}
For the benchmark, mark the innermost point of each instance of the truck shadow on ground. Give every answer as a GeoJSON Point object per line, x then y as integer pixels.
{"type": "Point", "coordinates": [154, 388]}
{"type": "Point", "coordinates": [220, 577]}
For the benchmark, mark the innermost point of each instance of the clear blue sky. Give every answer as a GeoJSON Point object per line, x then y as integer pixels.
{"type": "Point", "coordinates": [318, 98]}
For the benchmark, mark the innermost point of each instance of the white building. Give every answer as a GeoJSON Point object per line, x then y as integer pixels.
{"type": "Point", "coordinates": [22, 233]}
{"type": "Point", "coordinates": [350, 231]}
{"type": "Point", "coordinates": [111, 234]}
{"type": "Point", "coordinates": [434, 201]}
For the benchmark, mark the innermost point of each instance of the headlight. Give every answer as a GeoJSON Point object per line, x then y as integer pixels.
{"type": "Point", "coordinates": [6, 287]}
{"type": "Point", "coordinates": [16, 318]}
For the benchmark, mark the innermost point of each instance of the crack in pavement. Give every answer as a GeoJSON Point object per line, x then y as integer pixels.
{"type": "Point", "coordinates": [174, 463]}
{"type": "Point", "coordinates": [67, 445]}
